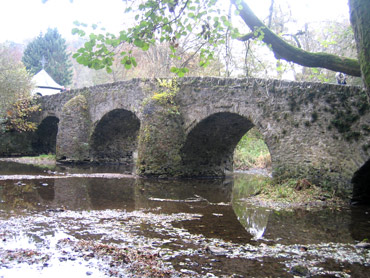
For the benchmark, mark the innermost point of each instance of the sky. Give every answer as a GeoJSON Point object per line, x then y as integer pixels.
{"type": "Point", "coordinates": [23, 20]}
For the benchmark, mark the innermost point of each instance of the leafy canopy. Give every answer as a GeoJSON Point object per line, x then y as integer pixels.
{"type": "Point", "coordinates": [163, 21]}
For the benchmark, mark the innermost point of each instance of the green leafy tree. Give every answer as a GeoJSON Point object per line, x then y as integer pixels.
{"type": "Point", "coordinates": [172, 20]}
{"type": "Point", "coordinates": [161, 22]}
{"type": "Point", "coordinates": [18, 116]}
{"type": "Point", "coordinates": [15, 83]}
{"type": "Point", "coordinates": [51, 50]}
{"type": "Point", "coordinates": [16, 104]}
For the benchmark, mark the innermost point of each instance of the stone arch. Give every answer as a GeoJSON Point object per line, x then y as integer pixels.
{"type": "Point", "coordinates": [361, 184]}
{"type": "Point", "coordinates": [115, 137]}
{"type": "Point", "coordinates": [209, 146]}
{"type": "Point", "coordinates": [45, 138]}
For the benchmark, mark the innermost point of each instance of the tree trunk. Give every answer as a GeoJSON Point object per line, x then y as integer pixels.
{"type": "Point", "coordinates": [286, 51]}
{"type": "Point", "coordinates": [360, 20]}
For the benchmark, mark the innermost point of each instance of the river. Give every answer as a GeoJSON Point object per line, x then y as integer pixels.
{"type": "Point", "coordinates": [94, 222]}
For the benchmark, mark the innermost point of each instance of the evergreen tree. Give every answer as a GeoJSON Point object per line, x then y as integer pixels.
{"type": "Point", "coordinates": [50, 49]}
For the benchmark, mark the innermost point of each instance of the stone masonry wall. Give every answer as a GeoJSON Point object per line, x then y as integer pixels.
{"type": "Point", "coordinates": [320, 131]}
{"type": "Point", "coordinates": [313, 130]}
{"type": "Point", "coordinates": [74, 131]}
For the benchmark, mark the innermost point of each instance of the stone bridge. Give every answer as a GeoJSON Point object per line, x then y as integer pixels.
{"type": "Point", "coordinates": [191, 127]}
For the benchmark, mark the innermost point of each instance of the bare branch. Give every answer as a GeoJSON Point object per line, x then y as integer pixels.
{"type": "Point", "coordinates": [286, 51]}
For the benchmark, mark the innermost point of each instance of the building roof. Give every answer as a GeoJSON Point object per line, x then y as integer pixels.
{"type": "Point", "coordinates": [45, 85]}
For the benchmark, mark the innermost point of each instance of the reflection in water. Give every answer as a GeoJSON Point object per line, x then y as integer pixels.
{"type": "Point", "coordinates": [196, 221]}
{"type": "Point", "coordinates": [210, 197]}
{"type": "Point", "coordinates": [254, 219]}
{"type": "Point", "coordinates": [104, 193]}
{"type": "Point", "coordinates": [12, 168]}
{"type": "Point", "coordinates": [111, 193]}
{"type": "Point", "coordinates": [18, 194]}
{"type": "Point", "coordinates": [297, 226]}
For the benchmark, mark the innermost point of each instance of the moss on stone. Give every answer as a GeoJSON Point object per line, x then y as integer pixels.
{"type": "Point", "coordinates": [314, 116]}
{"type": "Point", "coordinates": [353, 135]}
{"type": "Point", "coordinates": [321, 175]}
{"type": "Point", "coordinates": [366, 147]}
{"type": "Point", "coordinates": [362, 104]}
{"type": "Point", "coordinates": [160, 140]}
{"type": "Point", "coordinates": [366, 128]}
{"type": "Point", "coordinates": [74, 130]}
{"type": "Point", "coordinates": [344, 120]}
{"type": "Point", "coordinates": [78, 101]}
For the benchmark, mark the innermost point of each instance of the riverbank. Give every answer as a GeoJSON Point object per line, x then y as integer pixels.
{"type": "Point", "coordinates": [303, 201]}
{"type": "Point", "coordinates": [41, 160]}
{"type": "Point", "coordinates": [252, 152]}
{"type": "Point", "coordinates": [263, 191]}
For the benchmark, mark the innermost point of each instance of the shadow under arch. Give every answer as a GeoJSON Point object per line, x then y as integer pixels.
{"type": "Point", "coordinates": [115, 138]}
{"type": "Point", "coordinates": [361, 185]}
{"type": "Point", "coordinates": [209, 147]}
{"type": "Point", "coordinates": [45, 138]}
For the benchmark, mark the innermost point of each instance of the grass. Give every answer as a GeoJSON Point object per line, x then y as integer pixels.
{"type": "Point", "coordinates": [44, 160]}
{"type": "Point", "coordinates": [288, 191]}
{"type": "Point", "coordinates": [42, 157]}
{"type": "Point", "coordinates": [251, 152]}
{"type": "Point", "coordinates": [286, 194]}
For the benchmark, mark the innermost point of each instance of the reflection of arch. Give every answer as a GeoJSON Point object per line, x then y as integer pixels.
{"type": "Point", "coordinates": [361, 184]}
{"type": "Point", "coordinates": [46, 192]}
{"type": "Point", "coordinates": [46, 136]}
{"type": "Point", "coordinates": [112, 193]}
{"type": "Point", "coordinates": [115, 137]}
{"type": "Point", "coordinates": [210, 144]}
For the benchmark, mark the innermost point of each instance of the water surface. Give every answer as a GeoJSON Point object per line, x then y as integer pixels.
{"type": "Point", "coordinates": [190, 228]}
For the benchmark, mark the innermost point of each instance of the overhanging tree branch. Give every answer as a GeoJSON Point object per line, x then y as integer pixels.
{"type": "Point", "coordinates": [284, 50]}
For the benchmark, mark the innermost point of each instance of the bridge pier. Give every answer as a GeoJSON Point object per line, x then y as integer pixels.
{"type": "Point", "coordinates": [74, 131]}
{"type": "Point", "coordinates": [161, 138]}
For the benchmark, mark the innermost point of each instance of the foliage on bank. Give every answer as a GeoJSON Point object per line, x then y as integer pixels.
{"type": "Point", "coordinates": [15, 82]}
{"type": "Point", "coordinates": [19, 114]}
{"type": "Point", "coordinates": [288, 193]}
{"type": "Point", "coordinates": [251, 152]}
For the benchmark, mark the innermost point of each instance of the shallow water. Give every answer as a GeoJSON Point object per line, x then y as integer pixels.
{"type": "Point", "coordinates": [76, 227]}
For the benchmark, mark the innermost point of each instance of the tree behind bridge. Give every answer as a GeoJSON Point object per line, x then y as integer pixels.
{"type": "Point", "coordinates": [15, 83]}
{"type": "Point", "coordinates": [171, 20]}
{"type": "Point", "coordinates": [50, 48]}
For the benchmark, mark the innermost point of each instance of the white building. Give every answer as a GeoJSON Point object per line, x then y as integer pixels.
{"type": "Point", "coordinates": [45, 85]}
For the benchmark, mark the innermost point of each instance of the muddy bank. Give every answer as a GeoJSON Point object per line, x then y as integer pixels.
{"type": "Point", "coordinates": [32, 160]}
{"type": "Point", "coordinates": [65, 176]}
{"type": "Point", "coordinates": [316, 203]}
